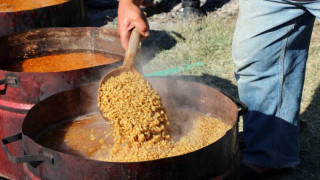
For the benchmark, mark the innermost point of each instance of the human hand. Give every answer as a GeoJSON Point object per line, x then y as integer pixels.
{"type": "Point", "coordinates": [130, 16]}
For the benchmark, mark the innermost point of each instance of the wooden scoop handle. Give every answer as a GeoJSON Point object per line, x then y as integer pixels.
{"type": "Point", "coordinates": [131, 52]}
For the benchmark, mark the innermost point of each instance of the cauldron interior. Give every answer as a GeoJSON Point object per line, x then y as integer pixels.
{"type": "Point", "coordinates": [174, 93]}
{"type": "Point", "coordinates": [40, 42]}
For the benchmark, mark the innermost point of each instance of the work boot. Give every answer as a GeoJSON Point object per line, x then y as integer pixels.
{"type": "Point", "coordinates": [191, 9]}
{"type": "Point", "coordinates": [101, 4]}
{"type": "Point", "coordinates": [191, 13]}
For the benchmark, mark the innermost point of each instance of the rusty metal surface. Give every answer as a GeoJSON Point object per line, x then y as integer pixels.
{"type": "Point", "coordinates": [69, 14]}
{"type": "Point", "coordinates": [214, 160]}
{"type": "Point", "coordinates": [21, 90]}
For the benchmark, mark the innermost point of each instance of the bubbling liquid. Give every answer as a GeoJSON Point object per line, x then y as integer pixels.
{"type": "Point", "coordinates": [91, 137]}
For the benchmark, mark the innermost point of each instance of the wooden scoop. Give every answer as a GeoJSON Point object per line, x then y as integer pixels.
{"type": "Point", "coordinates": [129, 59]}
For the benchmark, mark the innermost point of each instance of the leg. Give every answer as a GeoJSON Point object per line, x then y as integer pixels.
{"type": "Point", "coordinates": [270, 50]}
{"type": "Point", "coordinates": [191, 3]}
{"type": "Point", "coordinates": [191, 9]}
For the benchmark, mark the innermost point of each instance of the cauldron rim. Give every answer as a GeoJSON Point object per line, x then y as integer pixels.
{"type": "Point", "coordinates": [35, 9]}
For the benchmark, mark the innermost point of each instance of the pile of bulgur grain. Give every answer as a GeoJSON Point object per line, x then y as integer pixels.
{"type": "Point", "coordinates": [140, 127]}
{"type": "Point", "coordinates": [134, 110]}
{"type": "Point", "coordinates": [189, 131]}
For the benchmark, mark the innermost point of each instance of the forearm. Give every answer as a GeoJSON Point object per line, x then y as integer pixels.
{"type": "Point", "coordinates": [130, 16]}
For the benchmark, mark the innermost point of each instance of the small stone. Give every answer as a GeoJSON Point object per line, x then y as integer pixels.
{"type": "Point", "coordinates": [177, 7]}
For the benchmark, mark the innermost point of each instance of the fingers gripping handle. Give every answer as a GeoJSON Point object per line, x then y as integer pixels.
{"type": "Point", "coordinates": [133, 45]}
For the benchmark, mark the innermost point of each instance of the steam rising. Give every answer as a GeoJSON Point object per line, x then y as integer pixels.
{"type": "Point", "coordinates": [183, 101]}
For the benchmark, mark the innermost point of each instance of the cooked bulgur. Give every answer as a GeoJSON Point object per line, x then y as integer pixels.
{"type": "Point", "coordinates": [134, 110]}
{"type": "Point", "coordinates": [189, 131]}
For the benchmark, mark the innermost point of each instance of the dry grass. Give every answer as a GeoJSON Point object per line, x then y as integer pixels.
{"type": "Point", "coordinates": [209, 41]}
{"type": "Point", "coordinates": [199, 42]}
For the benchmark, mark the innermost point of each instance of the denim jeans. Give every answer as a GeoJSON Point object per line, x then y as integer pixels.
{"type": "Point", "coordinates": [270, 50]}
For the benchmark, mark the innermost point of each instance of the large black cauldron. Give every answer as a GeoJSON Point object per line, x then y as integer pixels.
{"type": "Point", "coordinates": [219, 159]}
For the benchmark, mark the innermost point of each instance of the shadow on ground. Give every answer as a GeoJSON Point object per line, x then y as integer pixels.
{"type": "Point", "coordinates": [100, 15]}
{"type": "Point", "coordinates": [312, 112]}
{"type": "Point", "coordinates": [222, 85]}
{"type": "Point", "coordinates": [157, 41]}
{"type": "Point", "coordinates": [164, 6]}
{"type": "Point", "coordinates": [310, 141]}
{"type": "Point", "coordinates": [167, 6]}
{"type": "Point", "coordinates": [212, 5]}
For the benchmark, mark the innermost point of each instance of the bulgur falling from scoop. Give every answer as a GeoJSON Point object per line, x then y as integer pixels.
{"type": "Point", "coordinates": [134, 110]}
